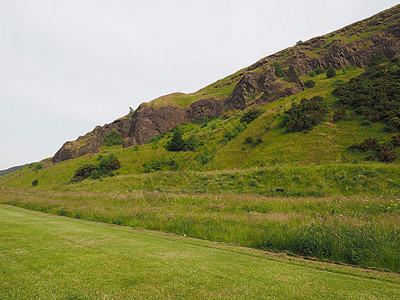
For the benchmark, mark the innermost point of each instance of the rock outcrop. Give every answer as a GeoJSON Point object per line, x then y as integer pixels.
{"type": "Point", "coordinates": [92, 141]}
{"type": "Point", "coordinates": [353, 45]}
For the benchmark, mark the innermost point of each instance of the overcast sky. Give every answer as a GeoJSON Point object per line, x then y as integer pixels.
{"type": "Point", "coordinates": [69, 65]}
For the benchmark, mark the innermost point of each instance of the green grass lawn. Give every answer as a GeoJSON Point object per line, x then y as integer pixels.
{"type": "Point", "coordinates": [53, 257]}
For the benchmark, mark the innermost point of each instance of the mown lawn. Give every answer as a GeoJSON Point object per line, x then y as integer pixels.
{"type": "Point", "coordinates": [53, 257]}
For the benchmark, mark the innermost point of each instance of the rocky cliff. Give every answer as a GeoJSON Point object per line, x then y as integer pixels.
{"type": "Point", "coordinates": [353, 45]}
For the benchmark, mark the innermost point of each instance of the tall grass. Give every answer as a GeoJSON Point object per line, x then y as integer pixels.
{"type": "Point", "coordinates": [360, 230]}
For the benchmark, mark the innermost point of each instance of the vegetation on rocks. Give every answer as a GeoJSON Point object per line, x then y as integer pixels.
{"type": "Point", "coordinates": [113, 138]}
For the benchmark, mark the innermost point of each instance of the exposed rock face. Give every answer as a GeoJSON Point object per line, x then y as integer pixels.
{"type": "Point", "coordinates": [148, 122]}
{"type": "Point", "coordinates": [257, 82]}
{"type": "Point", "coordinates": [249, 84]}
{"type": "Point", "coordinates": [92, 141]}
{"type": "Point", "coordinates": [205, 108]}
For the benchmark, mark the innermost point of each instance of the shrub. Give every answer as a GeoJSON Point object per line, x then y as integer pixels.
{"type": "Point", "coordinates": [377, 60]}
{"type": "Point", "coordinates": [374, 94]}
{"type": "Point", "coordinates": [385, 152]}
{"type": "Point", "coordinates": [318, 70]}
{"type": "Point", "coordinates": [231, 134]}
{"type": "Point", "coordinates": [309, 84]}
{"type": "Point", "coordinates": [393, 124]}
{"type": "Point", "coordinates": [205, 157]}
{"type": "Point", "coordinates": [251, 115]}
{"type": "Point", "coordinates": [312, 74]}
{"type": "Point", "coordinates": [109, 164]}
{"type": "Point", "coordinates": [278, 70]}
{"type": "Point", "coordinates": [299, 43]}
{"type": "Point", "coordinates": [154, 165]}
{"type": "Point", "coordinates": [203, 122]}
{"type": "Point", "coordinates": [249, 140]}
{"type": "Point", "coordinates": [35, 182]}
{"type": "Point", "coordinates": [330, 72]}
{"type": "Point", "coordinates": [254, 142]}
{"type": "Point", "coordinates": [339, 114]}
{"type": "Point", "coordinates": [387, 155]}
{"type": "Point", "coordinates": [305, 115]}
{"type": "Point", "coordinates": [367, 145]}
{"type": "Point", "coordinates": [84, 172]}
{"type": "Point", "coordinates": [37, 167]}
{"type": "Point", "coordinates": [396, 140]}
{"type": "Point", "coordinates": [160, 163]}
{"type": "Point", "coordinates": [113, 138]}
{"type": "Point", "coordinates": [191, 143]}
{"type": "Point", "coordinates": [177, 143]}
{"type": "Point", "coordinates": [104, 168]}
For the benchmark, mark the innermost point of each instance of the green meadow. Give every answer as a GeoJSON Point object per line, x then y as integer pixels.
{"type": "Point", "coordinates": [53, 257]}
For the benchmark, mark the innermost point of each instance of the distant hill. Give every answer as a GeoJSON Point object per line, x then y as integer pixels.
{"type": "Point", "coordinates": [12, 169]}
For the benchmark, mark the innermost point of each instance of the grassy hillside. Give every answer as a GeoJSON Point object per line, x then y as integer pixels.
{"type": "Point", "coordinates": [53, 257]}
{"type": "Point", "coordinates": [228, 144]}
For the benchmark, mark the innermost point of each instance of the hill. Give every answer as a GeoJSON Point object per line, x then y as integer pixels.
{"type": "Point", "coordinates": [12, 169]}
{"type": "Point", "coordinates": [298, 152]}
{"type": "Point", "coordinates": [269, 79]}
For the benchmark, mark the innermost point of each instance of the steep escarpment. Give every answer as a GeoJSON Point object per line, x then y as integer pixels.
{"type": "Point", "coordinates": [353, 45]}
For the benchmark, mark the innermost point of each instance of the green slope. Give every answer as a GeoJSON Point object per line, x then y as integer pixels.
{"type": "Point", "coordinates": [326, 145]}
{"type": "Point", "coordinates": [53, 257]}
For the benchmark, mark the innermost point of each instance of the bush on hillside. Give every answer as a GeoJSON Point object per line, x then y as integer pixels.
{"type": "Point", "coordinates": [113, 138]}
{"type": "Point", "coordinates": [393, 124]}
{"type": "Point", "coordinates": [309, 84]}
{"type": "Point", "coordinates": [160, 163]}
{"type": "Point", "coordinates": [177, 143]}
{"type": "Point", "coordinates": [85, 171]}
{"type": "Point", "coordinates": [384, 152]}
{"type": "Point", "coordinates": [191, 143]}
{"type": "Point", "coordinates": [367, 145]}
{"type": "Point", "coordinates": [396, 140]}
{"type": "Point", "coordinates": [278, 70]}
{"type": "Point", "coordinates": [231, 134]}
{"type": "Point", "coordinates": [37, 167]}
{"type": "Point", "coordinates": [35, 182]}
{"type": "Point", "coordinates": [330, 72]}
{"type": "Point", "coordinates": [339, 114]}
{"type": "Point", "coordinates": [374, 94]}
{"type": "Point", "coordinates": [251, 115]}
{"type": "Point", "coordinates": [305, 115]}
{"type": "Point", "coordinates": [105, 168]}
{"type": "Point", "coordinates": [377, 60]}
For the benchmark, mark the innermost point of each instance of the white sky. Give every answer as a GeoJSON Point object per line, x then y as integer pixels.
{"type": "Point", "coordinates": [69, 65]}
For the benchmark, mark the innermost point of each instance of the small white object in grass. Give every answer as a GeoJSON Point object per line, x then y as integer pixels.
{"type": "Point", "coordinates": [184, 234]}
